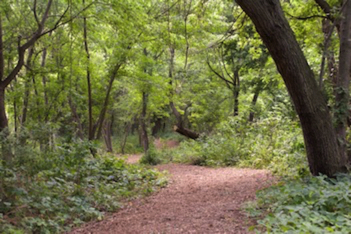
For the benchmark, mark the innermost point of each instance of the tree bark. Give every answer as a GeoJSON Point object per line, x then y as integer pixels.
{"type": "Point", "coordinates": [343, 81]}
{"type": "Point", "coordinates": [21, 50]}
{"type": "Point", "coordinates": [143, 128]}
{"type": "Point", "coordinates": [323, 153]}
{"type": "Point", "coordinates": [26, 87]}
{"type": "Point", "coordinates": [157, 127]}
{"type": "Point", "coordinates": [107, 136]}
{"type": "Point", "coordinates": [3, 117]}
{"type": "Point", "coordinates": [126, 133]}
{"type": "Point", "coordinates": [90, 103]}
{"type": "Point", "coordinates": [103, 111]}
{"type": "Point", "coordinates": [236, 91]}
{"type": "Point", "coordinates": [253, 103]}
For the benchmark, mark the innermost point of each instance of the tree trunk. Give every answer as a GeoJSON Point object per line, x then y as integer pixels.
{"type": "Point", "coordinates": [6, 153]}
{"type": "Point", "coordinates": [107, 136]}
{"type": "Point", "coordinates": [126, 133]}
{"type": "Point", "coordinates": [186, 132]}
{"type": "Point", "coordinates": [3, 117]}
{"type": "Point", "coordinates": [236, 90]}
{"type": "Point", "coordinates": [76, 119]}
{"type": "Point", "coordinates": [43, 63]}
{"type": "Point", "coordinates": [322, 149]}
{"type": "Point", "coordinates": [21, 50]}
{"type": "Point", "coordinates": [143, 129]}
{"type": "Point", "coordinates": [26, 87]}
{"type": "Point", "coordinates": [101, 119]}
{"type": "Point", "coordinates": [179, 126]}
{"type": "Point", "coordinates": [253, 104]}
{"type": "Point", "coordinates": [157, 127]}
{"type": "Point", "coordinates": [90, 103]}
{"type": "Point", "coordinates": [343, 81]}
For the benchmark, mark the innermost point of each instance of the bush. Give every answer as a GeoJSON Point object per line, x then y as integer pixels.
{"type": "Point", "coordinates": [51, 191]}
{"type": "Point", "coordinates": [274, 143]}
{"type": "Point", "coordinates": [311, 205]}
{"type": "Point", "coordinates": [150, 157]}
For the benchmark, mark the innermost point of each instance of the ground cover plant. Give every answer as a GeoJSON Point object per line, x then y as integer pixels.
{"type": "Point", "coordinates": [53, 191]}
{"type": "Point", "coordinates": [311, 205]}
{"type": "Point", "coordinates": [299, 203]}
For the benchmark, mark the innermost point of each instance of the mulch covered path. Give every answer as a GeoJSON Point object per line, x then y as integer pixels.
{"type": "Point", "coordinates": [197, 200]}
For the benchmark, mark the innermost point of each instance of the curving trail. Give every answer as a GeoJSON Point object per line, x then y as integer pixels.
{"type": "Point", "coordinates": [197, 200]}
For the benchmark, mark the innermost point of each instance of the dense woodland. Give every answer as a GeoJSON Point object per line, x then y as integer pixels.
{"type": "Point", "coordinates": [260, 84]}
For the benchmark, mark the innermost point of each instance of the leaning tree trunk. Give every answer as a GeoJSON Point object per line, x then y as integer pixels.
{"type": "Point", "coordinates": [323, 152]}
{"type": "Point", "coordinates": [179, 127]}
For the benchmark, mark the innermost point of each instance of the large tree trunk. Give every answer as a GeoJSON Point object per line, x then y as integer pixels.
{"type": "Point", "coordinates": [323, 152]}
{"type": "Point", "coordinates": [343, 80]}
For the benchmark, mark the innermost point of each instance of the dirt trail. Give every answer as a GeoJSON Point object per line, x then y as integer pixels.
{"type": "Point", "coordinates": [197, 200]}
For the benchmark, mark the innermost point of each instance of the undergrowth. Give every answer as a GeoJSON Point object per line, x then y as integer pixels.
{"type": "Point", "coordinates": [312, 205]}
{"type": "Point", "coordinates": [299, 203]}
{"type": "Point", "coordinates": [53, 191]}
{"type": "Point", "coordinates": [274, 143]}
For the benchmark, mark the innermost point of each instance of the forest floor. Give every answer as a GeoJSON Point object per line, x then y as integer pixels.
{"type": "Point", "coordinates": [196, 200]}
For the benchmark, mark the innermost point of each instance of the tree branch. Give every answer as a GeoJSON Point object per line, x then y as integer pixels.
{"type": "Point", "coordinates": [59, 23]}
{"type": "Point", "coordinates": [327, 10]}
{"type": "Point", "coordinates": [22, 49]}
{"type": "Point", "coordinates": [307, 17]}
{"type": "Point", "coordinates": [219, 75]}
{"type": "Point", "coordinates": [35, 12]}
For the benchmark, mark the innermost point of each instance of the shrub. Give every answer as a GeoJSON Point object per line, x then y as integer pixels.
{"type": "Point", "coordinates": [310, 205]}
{"type": "Point", "coordinates": [51, 191]}
{"type": "Point", "coordinates": [150, 157]}
{"type": "Point", "coordinates": [274, 143]}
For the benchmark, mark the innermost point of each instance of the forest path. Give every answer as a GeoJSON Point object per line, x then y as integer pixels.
{"type": "Point", "coordinates": [196, 200]}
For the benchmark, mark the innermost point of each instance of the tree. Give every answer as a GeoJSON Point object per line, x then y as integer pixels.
{"type": "Point", "coordinates": [323, 152]}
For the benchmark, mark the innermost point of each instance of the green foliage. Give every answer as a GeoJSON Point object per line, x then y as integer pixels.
{"type": "Point", "coordinates": [150, 157]}
{"type": "Point", "coordinates": [312, 205]}
{"type": "Point", "coordinates": [132, 145]}
{"type": "Point", "coordinates": [274, 143]}
{"type": "Point", "coordinates": [51, 191]}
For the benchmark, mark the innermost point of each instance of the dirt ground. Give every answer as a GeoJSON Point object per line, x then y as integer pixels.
{"type": "Point", "coordinates": [197, 200]}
